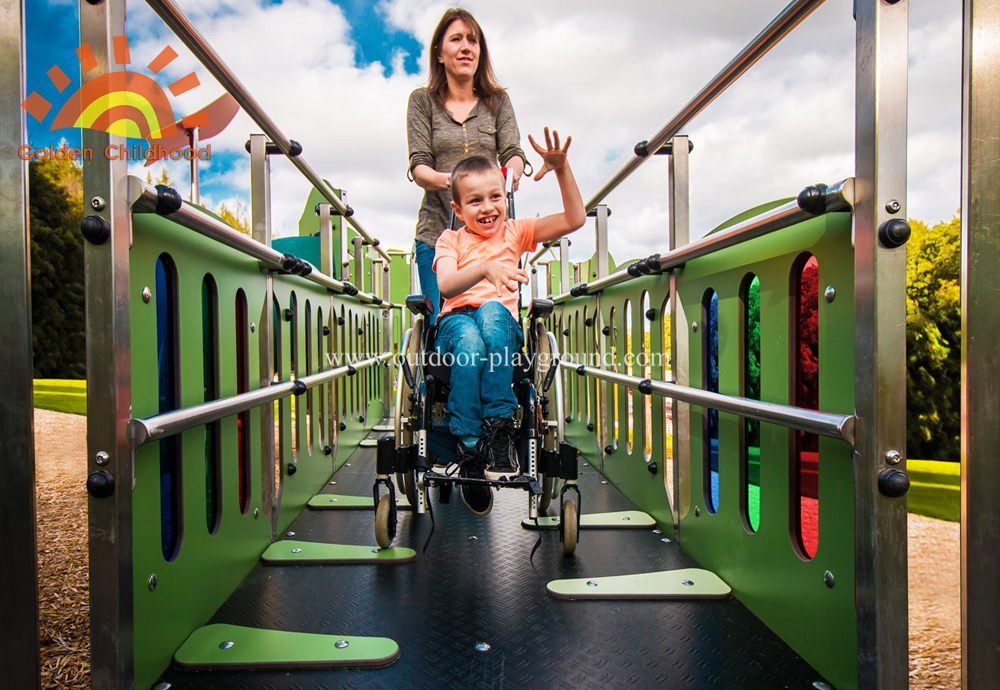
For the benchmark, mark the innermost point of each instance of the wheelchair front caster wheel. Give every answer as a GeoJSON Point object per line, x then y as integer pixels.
{"type": "Point", "coordinates": [546, 497]}
{"type": "Point", "coordinates": [382, 517]}
{"type": "Point", "coordinates": [570, 525]}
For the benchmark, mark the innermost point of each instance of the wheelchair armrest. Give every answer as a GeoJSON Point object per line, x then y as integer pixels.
{"type": "Point", "coordinates": [540, 308]}
{"type": "Point", "coordinates": [419, 304]}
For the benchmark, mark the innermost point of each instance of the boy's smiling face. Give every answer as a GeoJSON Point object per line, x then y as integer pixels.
{"type": "Point", "coordinates": [482, 202]}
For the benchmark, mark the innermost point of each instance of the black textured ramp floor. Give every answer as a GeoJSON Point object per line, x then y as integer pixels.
{"type": "Point", "coordinates": [464, 591]}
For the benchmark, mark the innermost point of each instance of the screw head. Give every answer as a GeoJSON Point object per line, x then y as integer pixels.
{"type": "Point", "coordinates": [626, 518]}
{"type": "Point", "coordinates": [687, 583]}
{"type": "Point", "coordinates": [341, 644]}
{"type": "Point", "coordinates": [146, 295]}
{"type": "Point", "coordinates": [253, 327]}
{"type": "Point", "coordinates": [256, 513]}
{"type": "Point", "coordinates": [829, 579]}
{"type": "Point", "coordinates": [151, 582]}
{"type": "Point", "coordinates": [473, 538]}
{"type": "Point", "coordinates": [820, 685]}
{"type": "Point", "coordinates": [893, 206]}
{"type": "Point", "coordinates": [893, 457]}
{"type": "Point", "coordinates": [228, 644]}
{"type": "Point", "coordinates": [482, 647]}
{"type": "Point", "coordinates": [162, 686]}
{"type": "Point", "coordinates": [830, 293]}
{"type": "Point", "coordinates": [296, 550]}
{"type": "Point", "coordinates": [101, 458]}
{"type": "Point", "coordinates": [289, 534]}
{"type": "Point", "coordinates": [591, 583]}
{"type": "Point", "coordinates": [97, 203]}
{"type": "Point", "coordinates": [694, 326]}
{"type": "Point", "coordinates": [697, 511]}
{"type": "Point", "coordinates": [657, 531]}
{"type": "Point", "coordinates": [665, 540]}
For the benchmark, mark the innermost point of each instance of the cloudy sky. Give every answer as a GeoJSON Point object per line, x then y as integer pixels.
{"type": "Point", "coordinates": [336, 76]}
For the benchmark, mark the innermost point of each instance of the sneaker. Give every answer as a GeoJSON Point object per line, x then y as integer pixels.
{"type": "Point", "coordinates": [478, 499]}
{"type": "Point", "coordinates": [498, 447]}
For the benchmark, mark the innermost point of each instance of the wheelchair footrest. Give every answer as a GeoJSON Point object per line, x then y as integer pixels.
{"type": "Point", "coordinates": [526, 482]}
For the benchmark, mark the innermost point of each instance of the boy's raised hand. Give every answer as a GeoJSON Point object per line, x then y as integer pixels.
{"type": "Point", "coordinates": [504, 277]}
{"type": "Point", "coordinates": [553, 156]}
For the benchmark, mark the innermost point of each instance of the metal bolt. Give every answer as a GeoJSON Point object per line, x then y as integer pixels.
{"type": "Point", "coordinates": [101, 458]}
{"type": "Point", "coordinates": [228, 644]}
{"type": "Point", "coordinates": [665, 540]}
{"type": "Point", "coordinates": [253, 327]}
{"type": "Point", "coordinates": [482, 647]}
{"type": "Point", "coordinates": [893, 457]}
{"type": "Point", "coordinates": [830, 293]}
{"type": "Point", "coordinates": [256, 513]}
{"type": "Point", "coordinates": [626, 518]}
{"type": "Point", "coordinates": [333, 483]}
{"type": "Point", "coordinates": [820, 685]}
{"type": "Point", "coordinates": [347, 464]}
{"type": "Point", "coordinates": [687, 583]}
{"type": "Point", "coordinates": [697, 511]}
{"type": "Point", "coordinates": [893, 206]}
{"type": "Point", "coordinates": [828, 579]}
{"type": "Point", "coordinates": [375, 550]}
{"type": "Point", "coordinates": [657, 531]}
{"type": "Point", "coordinates": [333, 500]}
{"type": "Point", "coordinates": [162, 686]}
{"type": "Point", "coordinates": [146, 295]}
{"type": "Point", "coordinates": [340, 644]}
{"type": "Point", "coordinates": [586, 465]}
{"type": "Point", "coordinates": [591, 583]}
{"type": "Point", "coordinates": [694, 326]}
{"type": "Point", "coordinates": [97, 203]}
{"type": "Point", "coordinates": [289, 534]}
{"type": "Point", "coordinates": [604, 481]}
{"type": "Point", "coordinates": [296, 550]}
{"type": "Point", "coordinates": [473, 538]}
{"type": "Point", "coordinates": [151, 582]}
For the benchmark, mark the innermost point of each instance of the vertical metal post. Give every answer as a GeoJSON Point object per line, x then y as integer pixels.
{"type": "Point", "coordinates": [19, 575]}
{"type": "Point", "coordinates": [533, 284]}
{"type": "Point", "coordinates": [195, 182]}
{"type": "Point", "coordinates": [358, 276]}
{"type": "Point", "coordinates": [327, 262]}
{"type": "Point", "coordinates": [880, 337]}
{"type": "Point", "coordinates": [414, 287]}
{"type": "Point", "coordinates": [601, 214]}
{"type": "Point", "coordinates": [387, 396]}
{"type": "Point", "coordinates": [680, 413]}
{"type": "Point", "coordinates": [260, 221]}
{"type": "Point", "coordinates": [980, 365]}
{"type": "Point", "coordinates": [564, 283]}
{"type": "Point", "coordinates": [109, 384]}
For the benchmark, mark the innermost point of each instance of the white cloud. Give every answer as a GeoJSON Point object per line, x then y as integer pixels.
{"type": "Point", "coordinates": [609, 74]}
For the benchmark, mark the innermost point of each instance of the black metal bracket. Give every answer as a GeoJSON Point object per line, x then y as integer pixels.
{"type": "Point", "coordinates": [642, 149]}
{"type": "Point", "coordinates": [271, 149]}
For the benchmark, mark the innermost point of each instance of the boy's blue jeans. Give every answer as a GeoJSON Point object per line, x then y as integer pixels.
{"type": "Point", "coordinates": [424, 257]}
{"type": "Point", "coordinates": [479, 347]}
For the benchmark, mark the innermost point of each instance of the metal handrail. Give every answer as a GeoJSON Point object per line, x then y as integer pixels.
{"type": "Point", "coordinates": [811, 202]}
{"type": "Point", "coordinates": [836, 426]}
{"type": "Point", "coordinates": [142, 431]}
{"type": "Point", "coordinates": [185, 30]}
{"type": "Point", "coordinates": [770, 36]}
{"type": "Point", "coordinates": [168, 203]}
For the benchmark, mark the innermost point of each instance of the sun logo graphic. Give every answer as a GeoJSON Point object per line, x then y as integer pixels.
{"type": "Point", "coordinates": [122, 102]}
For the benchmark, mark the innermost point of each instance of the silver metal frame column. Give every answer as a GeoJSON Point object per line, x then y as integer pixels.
{"type": "Point", "coordinates": [327, 263]}
{"type": "Point", "coordinates": [387, 396]}
{"type": "Point", "coordinates": [414, 287]}
{"type": "Point", "coordinates": [109, 382]}
{"type": "Point", "coordinates": [19, 580]}
{"type": "Point", "coordinates": [980, 365]}
{"type": "Point", "coordinates": [680, 413]}
{"type": "Point", "coordinates": [195, 179]}
{"type": "Point", "coordinates": [564, 284]}
{"type": "Point", "coordinates": [601, 214]}
{"type": "Point", "coordinates": [260, 211]}
{"type": "Point", "coordinates": [880, 337]}
{"type": "Point", "coordinates": [358, 279]}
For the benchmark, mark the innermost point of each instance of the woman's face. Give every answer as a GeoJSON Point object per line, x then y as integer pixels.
{"type": "Point", "coordinates": [459, 51]}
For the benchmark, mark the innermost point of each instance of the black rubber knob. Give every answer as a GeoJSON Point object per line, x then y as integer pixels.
{"type": "Point", "coordinates": [609, 449]}
{"type": "Point", "coordinates": [327, 450]}
{"type": "Point", "coordinates": [569, 419]}
{"type": "Point", "coordinates": [588, 322]}
{"type": "Point", "coordinates": [292, 469]}
{"type": "Point", "coordinates": [340, 320]}
{"type": "Point", "coordinates": [95, 229]}
{"type": "Point", "coordinates": [288, 313]}
{"type": "Point", "coordinates": [894, 233]}
{"type": "Point", "coordinates": [650, 313]}
{"type": "Point", "coordinates": [566, 332]}
{"type": "Point", "coordinates": [361, 418]}
{"type": "Point", "coordinates": [326, 330]}
{"type": "Point", "coordinates": [343, 426]}
{"type": "Point", "coordinates": [893, 483]}
{"type": "Point", "coordinates": [298, 387]}
{"type": "Point", "coordinates": [101, 484]}
{"type": "Point", "coordinates": [651, 467]}
{"type": "Point", "coordinates": [590, 426]}
{"type": "Point", "coordinates": [606, 330]}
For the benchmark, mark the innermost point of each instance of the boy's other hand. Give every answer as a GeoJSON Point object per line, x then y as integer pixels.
{"type": "Point", "coordinates": [504, 277]}
{"type": "Point", "coordinates": [552, 155]}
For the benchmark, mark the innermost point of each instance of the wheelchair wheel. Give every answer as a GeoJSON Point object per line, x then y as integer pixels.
{"type": "Point", "coordinates": [548, 489]}
{"type": "Point", "coordinates": [546, 351]}
{"type": "Point", "coordinates": [407, 483]}
{"type": "Point", "coordinates": [382, 512]}
{"type": "Point", "coordinates": [403, 418]}
{"type": "Point", "coordinates": [570, 527]}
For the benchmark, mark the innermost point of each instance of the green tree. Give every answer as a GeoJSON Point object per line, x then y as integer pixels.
{"type": "Point", "coordinates": [933, 341]}
{"type": "Point", "coordinates": [55, 191]}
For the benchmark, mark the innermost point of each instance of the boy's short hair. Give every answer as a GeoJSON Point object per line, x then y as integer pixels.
{"type": "Point", "coordinates": [473, 165]}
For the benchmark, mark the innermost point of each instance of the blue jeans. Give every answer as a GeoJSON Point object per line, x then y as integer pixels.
{"type": "Point", "coordinates": [424, 257]}
{"type": "Point", "coordinates": [479, 347]}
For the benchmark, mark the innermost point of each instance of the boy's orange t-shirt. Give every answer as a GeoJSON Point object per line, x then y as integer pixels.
{"type": "Point", "coordinates": [505, 246]}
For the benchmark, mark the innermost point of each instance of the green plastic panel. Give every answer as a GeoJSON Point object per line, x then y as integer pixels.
{"type": "Point", "coordinates": [291, 552]}
{"type": "Point", "coordinates": [686, 583]}
{"type": "Point", "coordinates": [231, 647]}
{"type": "Point", "coordinates": [341, 502]}
{"type": "Point", "coordinates": [622, 519]}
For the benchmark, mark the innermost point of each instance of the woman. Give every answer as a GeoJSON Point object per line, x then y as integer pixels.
{"type": "Point", "coordinates": [461, 112]}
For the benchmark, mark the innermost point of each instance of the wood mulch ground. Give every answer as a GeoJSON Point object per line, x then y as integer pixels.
{"type": "Point", "coordinates": [60, 460]}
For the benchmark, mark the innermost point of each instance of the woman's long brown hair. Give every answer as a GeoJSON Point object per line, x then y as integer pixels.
{"type": "Point", "coordinates": [484, 83]}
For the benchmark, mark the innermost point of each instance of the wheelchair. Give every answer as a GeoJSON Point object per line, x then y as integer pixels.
{"type": "Point", "coordinates": [421, 447]}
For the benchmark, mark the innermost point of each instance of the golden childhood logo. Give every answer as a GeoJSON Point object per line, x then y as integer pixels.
{"type": "Point", "coordinates": [129, 104]}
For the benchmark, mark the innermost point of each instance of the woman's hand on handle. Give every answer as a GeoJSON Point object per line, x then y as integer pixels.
{"type": "Point", "coordinates": [553, 156]}
{"type": "Point", "coordinates": [430, 179]}
{"type": "Point", "coordinates": [515, 166]}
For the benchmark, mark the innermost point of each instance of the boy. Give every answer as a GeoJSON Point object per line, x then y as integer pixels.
{"type": "Point", "coordinates": [478, 275]}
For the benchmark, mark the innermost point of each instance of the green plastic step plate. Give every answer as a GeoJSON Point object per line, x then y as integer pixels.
{"type": "Point", "coordinates": [223, 646]}
{"type": "Point", "coordinates": [686, 583]}
{"type": "Point", "coordinates": [622, 519]}
{"type": "Point", "coordinates": [382, 427]}
{"type": "Point", "coordinates": [290, 551]}
{"type": "Point", "coordinates": [368, 442]}
{"type": "Point", "coordinates": [342, 502]}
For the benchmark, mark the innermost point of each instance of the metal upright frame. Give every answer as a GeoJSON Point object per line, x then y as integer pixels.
{"type": "Point", "coordinates": [980, 365]}
{"type": "Point", "coordinates": [880, 337]}
{"type": "Point", "coordinates": [327, 263]}
{"type": "Point", "coordinates": [19, 575]}
{"type": "Point", "coordinates": [109, 394]}
{"type": "Point", "coordinates": [601, 214]}
{"type": "Point", "coordinates": [679, 236]}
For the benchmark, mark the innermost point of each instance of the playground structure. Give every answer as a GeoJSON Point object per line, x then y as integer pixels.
{"type": "Point", "coordinates": [229, 381]}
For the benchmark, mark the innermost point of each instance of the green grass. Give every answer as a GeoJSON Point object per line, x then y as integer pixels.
{"type": "Point", "coordinates": [61, 395]}
{"type": "Point", "coordinates": [935, 489]}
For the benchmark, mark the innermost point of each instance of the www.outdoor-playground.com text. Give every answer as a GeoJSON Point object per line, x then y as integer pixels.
{"type": "Point", "coordinates": [491, 361]}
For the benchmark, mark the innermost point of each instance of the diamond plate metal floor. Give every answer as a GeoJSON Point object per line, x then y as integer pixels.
{"type": "Point", "coordinates": [475, 584]}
